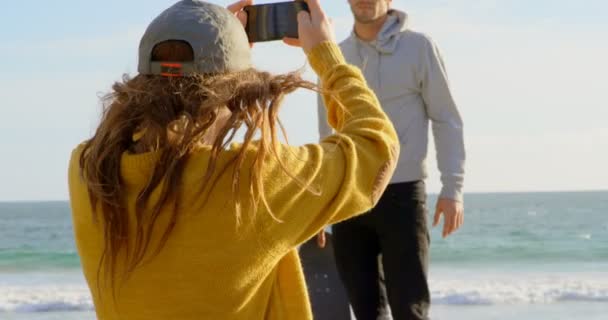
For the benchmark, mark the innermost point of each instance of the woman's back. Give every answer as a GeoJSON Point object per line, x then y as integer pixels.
{"type": "Point", "coordinates": [213, 265]}
{"type": "Point", "coordinates": [208, 266]}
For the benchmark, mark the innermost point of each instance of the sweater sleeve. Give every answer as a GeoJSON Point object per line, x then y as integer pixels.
{"type": "Point", "coordinates": [446, 121]}
{"type": "Point", "coordinates": [345, 174]}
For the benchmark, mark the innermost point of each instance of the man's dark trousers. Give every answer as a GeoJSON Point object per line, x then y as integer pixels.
{"type": "Point", "coordinates": [397, 229]}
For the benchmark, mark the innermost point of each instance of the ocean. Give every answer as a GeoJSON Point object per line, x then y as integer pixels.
{"type": "Point", "coordinates": [518, 256]}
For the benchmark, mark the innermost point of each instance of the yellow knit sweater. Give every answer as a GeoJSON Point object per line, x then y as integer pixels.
{"type": "Point", "coordinates": [209, 268]}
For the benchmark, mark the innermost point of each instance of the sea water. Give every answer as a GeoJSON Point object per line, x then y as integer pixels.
{"type": "Point", "coordinates": [518, 256]}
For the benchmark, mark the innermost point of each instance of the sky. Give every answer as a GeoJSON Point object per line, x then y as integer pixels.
{"type": "Point", "coordinates": [530, 79]}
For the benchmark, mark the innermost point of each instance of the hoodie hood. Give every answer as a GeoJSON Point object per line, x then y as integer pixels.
{"type": "Point", "coordinates": [388, 37]}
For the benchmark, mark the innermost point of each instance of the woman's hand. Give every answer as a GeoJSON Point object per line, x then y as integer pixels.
{"type": "Point", "coordinates": [237, 9]}
{"type": "Point", "coordinates": [313, 28]}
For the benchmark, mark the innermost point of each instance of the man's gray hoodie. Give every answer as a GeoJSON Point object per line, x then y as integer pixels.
{"type": "Point", "coordinates": [406, 71]}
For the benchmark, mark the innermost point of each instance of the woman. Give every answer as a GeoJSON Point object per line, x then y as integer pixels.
{"type": "Point", "coordinates": [170, 222]}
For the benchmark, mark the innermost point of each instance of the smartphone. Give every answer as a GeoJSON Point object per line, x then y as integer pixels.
{"type": "Point", "coordinates": [273, 21]}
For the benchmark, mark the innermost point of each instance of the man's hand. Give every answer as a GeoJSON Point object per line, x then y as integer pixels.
{"type": "Point", "coordinates": [453, 215]}
{"type": "Point", "coordinates": [321, 239]}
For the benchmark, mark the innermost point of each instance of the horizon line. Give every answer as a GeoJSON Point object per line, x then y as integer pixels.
{"type": "Point", "coordinates": [429, 194]}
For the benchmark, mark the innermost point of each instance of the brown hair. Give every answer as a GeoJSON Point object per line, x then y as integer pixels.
{"type": "Point", "coordinates": [151, 105]}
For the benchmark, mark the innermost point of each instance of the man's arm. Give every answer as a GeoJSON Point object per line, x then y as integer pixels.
{"type": "Point", "coordinates": [446, 122]}
{"type": "Point", "coordinates": [324, 131]}
{"type": "Point", "coordinates": [324, 128]}
{"type": "Point", "coordinates": [448, 134]}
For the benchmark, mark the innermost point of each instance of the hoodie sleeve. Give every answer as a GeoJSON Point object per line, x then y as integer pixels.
{"type": "Point", "coordinates": [446, 121]}
{"type": "Point", "coordinates": [323, 127]}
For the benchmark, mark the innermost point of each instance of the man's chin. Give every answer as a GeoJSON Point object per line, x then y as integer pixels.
{"type": "Point", "coordinates": [364, 19]}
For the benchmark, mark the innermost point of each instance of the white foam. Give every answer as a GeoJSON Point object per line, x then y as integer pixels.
{"type": "Point", "coordinates": [522, 290]}
{"type": "Point", "coordinates": [585, 236]}
{"type": "Point", "coordinates": [447, 289]}
{"type": "Point", "coordinates": [45, 298]}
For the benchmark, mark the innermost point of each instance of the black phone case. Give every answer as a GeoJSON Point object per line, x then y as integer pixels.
{"type": "Point", "coordinates": [273, 21]}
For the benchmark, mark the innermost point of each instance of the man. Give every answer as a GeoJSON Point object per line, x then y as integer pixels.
{"type": "Point", "coordinates": [406, 71]}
